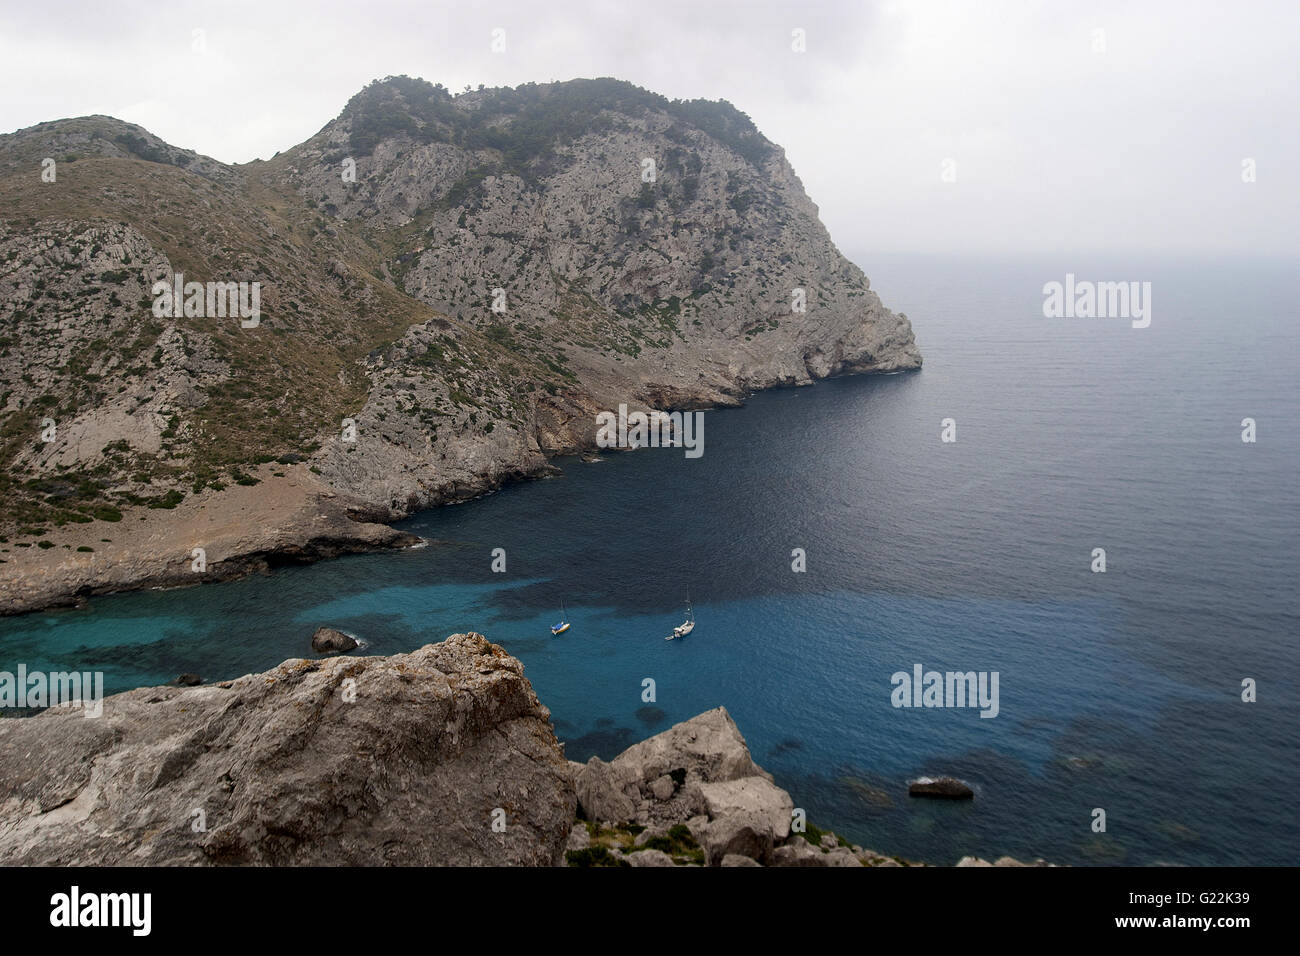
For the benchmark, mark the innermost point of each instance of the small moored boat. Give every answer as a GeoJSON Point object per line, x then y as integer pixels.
{"type": "Point", "coordinates": [688, 625]}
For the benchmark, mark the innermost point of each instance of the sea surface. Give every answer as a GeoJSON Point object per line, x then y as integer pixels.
{"type": "Point", "coordinates": [1119, 691]}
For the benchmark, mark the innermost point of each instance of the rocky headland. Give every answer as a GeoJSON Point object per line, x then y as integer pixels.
{"type": "Point", "coordinates": [443, 756]}
{"type": "Point", "coordinates": [452, 287]}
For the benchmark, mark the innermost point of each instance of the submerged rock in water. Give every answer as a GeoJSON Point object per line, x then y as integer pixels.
{"type": "Point", "coordinates": [326, 640]}
{"type": "Point", "coordinates": [406, 760]}
{"type": "Point", "coordinates": [948, 788]}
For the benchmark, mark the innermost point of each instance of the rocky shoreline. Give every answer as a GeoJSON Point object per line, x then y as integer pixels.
{"type": "Point", "coordinates": [444, 756]}
{"type": "Point", "coordinates": [286, 519]}
{"type": "Point", "coordinates": [290, 516]}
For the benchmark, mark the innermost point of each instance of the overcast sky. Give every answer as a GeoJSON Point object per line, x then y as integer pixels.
{"type": "Point", "coordinates": [1060, 138]}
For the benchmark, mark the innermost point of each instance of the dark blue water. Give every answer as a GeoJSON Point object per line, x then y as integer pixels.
{"type": "Point", "coordinates": [1118, 690]}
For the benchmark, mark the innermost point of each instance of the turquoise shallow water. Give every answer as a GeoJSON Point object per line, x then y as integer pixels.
{"type": "Point", "coordinates": [1118, 691]}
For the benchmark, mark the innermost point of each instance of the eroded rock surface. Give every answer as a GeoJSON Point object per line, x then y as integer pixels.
{"type": "Point", "coordinates": [696, 790]}
{"type": "Point", "coordinates": [281, 768]}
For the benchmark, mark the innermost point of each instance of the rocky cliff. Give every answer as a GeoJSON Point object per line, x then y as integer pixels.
{"type": "Point", "coordinates": [645, 251]}
{"type": "Point", "coordinates": [451, 287]}
{"type": "Point", "coordinates": [442, 756]}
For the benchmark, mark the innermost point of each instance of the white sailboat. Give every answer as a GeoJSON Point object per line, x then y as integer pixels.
{"type": "Point", "coordinates": [688, 625]}
{"type": "Point", "coordinates": [562, 625]}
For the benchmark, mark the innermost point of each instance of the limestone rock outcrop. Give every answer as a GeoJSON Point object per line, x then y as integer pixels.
{"type": "Point", "coordinates": [443, 756]}
{"type": "Point", "coordinates": [696, 791]}
{"type": "Point", "coordinates": [660, 780]}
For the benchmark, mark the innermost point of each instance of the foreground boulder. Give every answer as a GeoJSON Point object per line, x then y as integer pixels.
{"type": "Point", "coordinates": [326, 640]}
{"type": "Point", "coordinates": [603, 792]}
{"type": "Point", "coordinates": [658, 781]}
{"type": "Point", "coordinates": [736, 835]}
{"type": "Point", "coordinates": [749, 817]}
{"type": "Point", "coordinates": [406, 760]}
{"type": "Point", "coordinates": [696, 790]}
{"type": "Point", "coordinates": [799, 852]}
{"type": "Point", "coordinates": [758, 798]}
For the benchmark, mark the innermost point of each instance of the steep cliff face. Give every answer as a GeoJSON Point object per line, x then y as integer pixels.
{"type": "Point", "coordinates": [655, 253]}
{"type": "Point", "coordinates": [451, 289]}
{"type": "Point", "coordinates": [439, 757]}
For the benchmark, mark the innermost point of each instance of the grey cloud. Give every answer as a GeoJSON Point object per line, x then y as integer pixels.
{"type": "Point", "coordinates": [1136, 149]}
